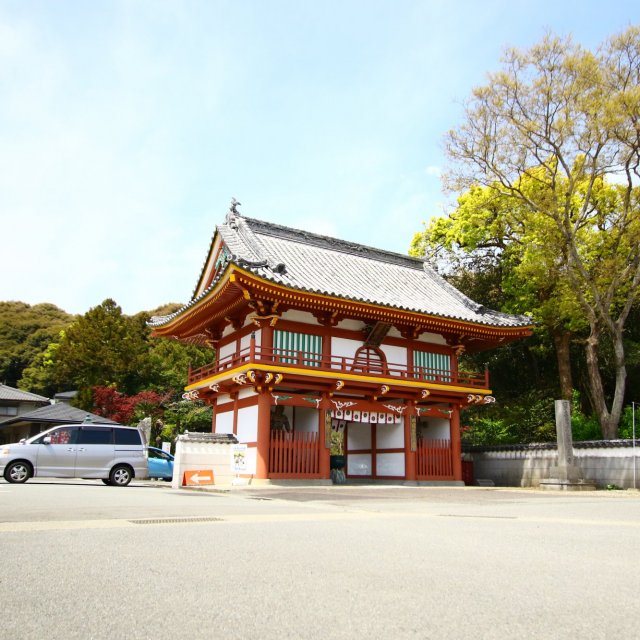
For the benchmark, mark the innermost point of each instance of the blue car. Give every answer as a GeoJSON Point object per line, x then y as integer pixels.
{"type": "Point", "coordinates": [160, 464]}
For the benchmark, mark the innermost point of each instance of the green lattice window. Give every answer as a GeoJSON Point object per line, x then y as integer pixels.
{"type": "Point", "coordinates": [298, 348]}
{"type": "Point", "coordinates": [432, 366]}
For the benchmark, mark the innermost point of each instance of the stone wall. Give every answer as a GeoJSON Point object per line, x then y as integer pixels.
{"type": "Point", "coordinates": [603, 462]}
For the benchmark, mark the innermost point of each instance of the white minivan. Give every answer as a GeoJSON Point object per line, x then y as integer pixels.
{"type": "Point", "coordinates": [113, 454]}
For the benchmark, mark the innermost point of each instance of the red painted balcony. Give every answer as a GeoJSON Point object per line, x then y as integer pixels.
{"type": "Point", "coordinates": [310, 362]}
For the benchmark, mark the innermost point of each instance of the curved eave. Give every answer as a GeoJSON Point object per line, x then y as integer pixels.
{"type": "Point", "coordinates": [237, 286]}
{"type": "Point", "coordinates": [312, 301]}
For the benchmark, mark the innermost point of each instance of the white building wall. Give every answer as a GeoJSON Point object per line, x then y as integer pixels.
{"type": "Point", "coordinates": [432, 338]}
{"type": "Point", "coordinates": [436, 428]}
{"type": "Point", "coordinates": [343, 348]}
{"type": "Point", "coordinates": [390, 464]}
{"type": "Point", "coordinates": [248, 424]}
{"type": "Point", "coordinates": [226, 350]}
{"type": "Point", "coordinates": [299, 316]}
{"type": "Point", "coordinates": [395, 356]}
{"type": "Point", "coordinates": [389, 436]}
{"type": "Point", "coordinates": [306, 419]}
{"type": "Point", "coordinates": [351, 325]}
{"type": "Point", "coordinates": [246, 392]}
{"type": "Point", "coordinates": [224, 422]}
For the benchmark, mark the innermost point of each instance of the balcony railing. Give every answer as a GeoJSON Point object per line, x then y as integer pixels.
{"type": "Point", "coordinates": [310, 362]}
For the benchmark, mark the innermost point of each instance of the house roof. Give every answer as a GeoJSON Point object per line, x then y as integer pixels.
{"type": "Point", "coordinates": [17, 395]}
{"type": "Point", "coordinates": [317, 264]}
{"type": "Point", "coordinates": [59, 413]}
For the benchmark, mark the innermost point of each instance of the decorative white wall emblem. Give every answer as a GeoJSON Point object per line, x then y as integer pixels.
{"type": "Point", "coordinates": [341, 405]}
{"type": "Point", "coordinates": [399, 409]}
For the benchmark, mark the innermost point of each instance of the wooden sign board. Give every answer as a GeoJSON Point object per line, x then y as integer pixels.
{"type": "Point", "coordinates": [197, 477]}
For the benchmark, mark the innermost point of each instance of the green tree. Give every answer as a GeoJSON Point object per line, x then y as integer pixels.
{"type": "Point", "coordinates": [556, 133]}
{"type": "Point", "coordinates": [25, 332]}
{"type": "Point", "coordinates": [103, 347]}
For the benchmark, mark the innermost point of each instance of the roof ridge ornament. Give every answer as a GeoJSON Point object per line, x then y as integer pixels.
{"type": "Point", "coordinates": [233, 213]}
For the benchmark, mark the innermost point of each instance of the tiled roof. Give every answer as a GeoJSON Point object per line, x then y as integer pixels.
{"type": "Point", "coordinates": [58, 413]}
{"type": "Point", "coordinates": [16, 395]}
{"type": "Point", "coordinates": [319, 264]}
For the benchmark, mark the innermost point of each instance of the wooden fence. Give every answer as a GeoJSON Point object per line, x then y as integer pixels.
{"type": "Point", "coordinates": [434, 460]}
{"type": "Point", "coordinates": [294, 455]}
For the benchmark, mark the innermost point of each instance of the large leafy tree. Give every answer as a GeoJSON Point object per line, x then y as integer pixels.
{"type": "Point", "coordinates": [103, 347]}
{"type": "Point", "coordinates": [25, 332]}
{"type": "Point", "coordinates": [552, 133]}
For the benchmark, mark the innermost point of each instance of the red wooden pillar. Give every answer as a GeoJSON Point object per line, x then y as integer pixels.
{"type": "Point", "coordinates": [324, 441]}
{"type": "Point", "coordinates": [264, 435]}
{"type": "Point", "coordinates": [456, 445]}
{"type": "Point", "coordinates": [409, 450]}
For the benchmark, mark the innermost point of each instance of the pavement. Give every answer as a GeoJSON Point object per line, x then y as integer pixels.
{"type": "Point", "coordinates": [81, 560]}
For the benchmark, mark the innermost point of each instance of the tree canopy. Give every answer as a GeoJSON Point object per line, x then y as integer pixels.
{"type": "Point", "coordinates": [547, 158]}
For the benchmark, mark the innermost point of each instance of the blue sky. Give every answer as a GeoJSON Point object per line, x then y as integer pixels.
{"type": "Point", "coordinates": [126, 127]}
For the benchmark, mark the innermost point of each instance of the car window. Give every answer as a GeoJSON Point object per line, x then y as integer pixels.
{"type": "Point", "coordinates": [63, 435]}
{"type": "Point", "coordinates": [96, 435]}
{"type": "Point", "coordinates": [127, 436]}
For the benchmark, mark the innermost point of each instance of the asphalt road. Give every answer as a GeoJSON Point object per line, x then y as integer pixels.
{"type": "Point", "coordinates": [81, 560]}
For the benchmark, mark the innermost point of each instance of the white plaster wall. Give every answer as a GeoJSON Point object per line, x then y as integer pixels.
{"type": "Point", "coordinates": [226, 350]}
{"type": "Point", "coordinates": [247, 424]}
{"type": "Point", "coordinates": [246, 392]}
{"type": "Point", "coordinates": [299, 316]}
{"type": "Point", "coordinates": [245, 342]}
{"type": "Point", "coordinates": [525, 468]}
{"type": "Point", "coordinates": [192, 456]}
{"type": "Point", "coordinates": [395, 356]}
{"type": "Point", "coordinates": [432, 338]}
{"type": "Point", "coordinates": [359, 464]}
{"type": "Point", "coordinates": [224, 422]}
{"type": "Point", "coordinates": [351, 325]}
{"type": "Point", "coordinates": [306, 419]}
{"type": "Point", "coordinates": [359, 435]}
{"type": "Point", "coordinates": [436, 428]}
{"type": "Point", "coordinates": [389, 436]}
{"type": "Point", "coordinates": [390, 464]}
{"type": "Point", "coordinates": [343, 348]}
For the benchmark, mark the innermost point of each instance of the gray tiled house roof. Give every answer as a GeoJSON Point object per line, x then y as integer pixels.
{"type": "Point", "coordinates": [16, 395]}
{"type": "Point", "coordinates": [59, 413]}
{"type": "Point", "coordinates": [318, 264]}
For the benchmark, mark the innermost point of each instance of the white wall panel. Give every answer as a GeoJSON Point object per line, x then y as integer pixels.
{"type": "Point", "coordinates": [359, 435]}
{"type": "Point", "coordinates": [395, 355]}
{"type": "Point", "coordinates": [306, 419]}
{"type": "Point", "coordinates": [342, 348]}
{"type": "Point", "coordinates": [436, 428]}
{"type": "Point", "coordinates": [389, 436]}
{"type": "Point", "coordinates": [390, 464]}
{"type": "Point", "coordinates": [248, 424]}
{"type": "Point", "coordinates": [300, 316]}
{"type": "Point", "coordinates": [224, 422]}
{"type": "Point", "coordinates": [359, 464]}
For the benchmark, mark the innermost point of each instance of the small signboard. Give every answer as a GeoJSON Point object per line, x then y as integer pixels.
{"type": "Point", "coordinates": [239, 458]}
{"type": "Point", "coordinates": [197, 477]}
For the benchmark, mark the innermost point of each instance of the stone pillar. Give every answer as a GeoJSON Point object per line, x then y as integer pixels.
{"type": "Point", "coordinates": [566, 475]}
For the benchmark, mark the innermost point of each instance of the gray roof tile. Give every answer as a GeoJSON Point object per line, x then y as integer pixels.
{"type": "Point", "coordinates": [59, 413]}
{"type": "Point", "coordinates": [17, 395]}
{"type": "Point", "coordinates": [319, 264]}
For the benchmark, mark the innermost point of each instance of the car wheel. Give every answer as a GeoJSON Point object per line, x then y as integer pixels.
{"type": "Point", "coordinates": [120, 475]}
{"type": "Point", "coordinates": [17, 472]}
{"type": "Point", "coordinates": [106, 481]}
